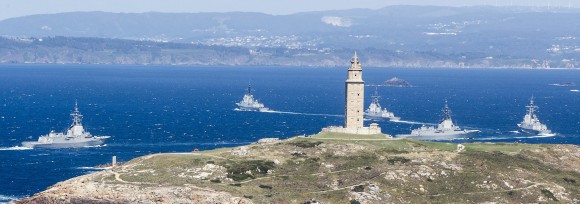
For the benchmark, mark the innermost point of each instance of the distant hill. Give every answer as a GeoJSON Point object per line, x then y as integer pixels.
{"type": "Point", "coordinates": [504, 36]}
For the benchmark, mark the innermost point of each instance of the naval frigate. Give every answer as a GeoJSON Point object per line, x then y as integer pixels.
{"type": "Point", "coordinates": [248, 103]}
{"type": "Point", "coordinates": [531, 121]}
{"type": "Point", "coordinates": [375, 111]}
{"type": "Point", "coordinates": [445, 130]}
{"type": "Point", "coordinates": [74, 137]}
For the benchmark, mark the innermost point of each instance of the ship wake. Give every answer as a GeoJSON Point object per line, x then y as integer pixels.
{"type": "Point", "coordinates": [411, 122]}
{"type": "Point", "coordinates": [95, 146]}
{"type": "Point", "coordinates": [15, 148]}
{"type": "Point", "coordinates": [295, 113]}
{"type": "Point", "coordinates": [506, 138]}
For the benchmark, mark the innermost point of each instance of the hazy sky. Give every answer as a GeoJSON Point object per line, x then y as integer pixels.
{"type": "Point", "coordinates": [15, 8]}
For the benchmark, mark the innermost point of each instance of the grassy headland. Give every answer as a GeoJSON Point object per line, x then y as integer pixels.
{"type": "Point", "coordinates": [338, 168]}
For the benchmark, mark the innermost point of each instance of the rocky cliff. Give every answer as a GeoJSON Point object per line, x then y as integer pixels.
{"type": "Point", "coordinates": [336, 168]}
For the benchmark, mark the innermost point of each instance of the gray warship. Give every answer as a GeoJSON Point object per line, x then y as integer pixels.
{"type": "Point", "coordinates": [248, 103]}
{"type": "Point", "coordinates": [375, 111]}
{"type": "Point", "coordinates": [75, 136]}
{"type": "Point", "coordinates": [531, 123]}
{"type": "Point", "coordinates": [445, 130]}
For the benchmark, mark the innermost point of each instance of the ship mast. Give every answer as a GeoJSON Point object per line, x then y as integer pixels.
{"type": "Point", "coordinates": [249, 89]}
{"type": "Point", "coordinates": [532, 108]}
{"type": "Point", "coordinates": [376, 96]}
{"type": "Point", "coordinates": [77, 117]}
{"type": "Point", "coordinates": [446, 111]}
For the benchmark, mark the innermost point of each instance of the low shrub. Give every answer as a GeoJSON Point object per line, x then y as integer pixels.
{"type": "Point", "coordinates": [243, 170]}
{"type": "Point", "coordinates": [401, 160]}
{"type": "Point", "coordinates": [569, 180]}
{"type": "Point", "coordinates": [306, 144]}
{"type": "Point", "coordinates": [549, 194]}
{"type": "Point", "coordinates": [359, 188]}
{"type": "Point", "coordinates": [265, 186]}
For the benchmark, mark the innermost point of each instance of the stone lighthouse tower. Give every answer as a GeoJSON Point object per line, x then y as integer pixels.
{"type": "Point", "coordinates": [354, 104]}
{"type": "Point", "coordinates": [354, 96]}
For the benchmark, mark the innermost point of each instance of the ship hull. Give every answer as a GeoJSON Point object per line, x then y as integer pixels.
{"type": "Point", "coordinates": [535, 132]}
{"type": "Point", "coordinates": [252, 109]}
{"type": "Point", "coordinates": [440, 136]}
{"type": "Point", "coordinates": [381, 117]}
{"type": "Point", "coordinates": [59, 145]}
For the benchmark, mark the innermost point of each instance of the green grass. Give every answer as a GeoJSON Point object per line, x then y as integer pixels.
{"type": "Point", "coordinates": [433, 145]}
{"type": "Point", "coordinates": [502, 147]}
{"type": "Point", "coordinates": [381, 141]}
{"type": "Point", "coordinates": [333, 135]}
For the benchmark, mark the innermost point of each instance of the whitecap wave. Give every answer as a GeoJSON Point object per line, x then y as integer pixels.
{"type": "Point", "coordinates": [408, 122]}
{"type": "Point", "coordinates": [8, 199]}
{"type": "Point", "coordinates": [14, 148]}
{"type": "Point", "coordinates": [515, 131]}
{"type": "Point", "coordinates": [537, 136]}
{"type": "Point", "coordinates": [181, 144]}
{"type": "Point", "coordinates": [92, 168]}
{"type": "Point", "coordinates": [575, 90]}
{"type": "Point", "coordinates": [94, 146]}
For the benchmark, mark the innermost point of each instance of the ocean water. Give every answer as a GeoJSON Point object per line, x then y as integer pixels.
{"type": "Point", "coordinates": [151, 109]}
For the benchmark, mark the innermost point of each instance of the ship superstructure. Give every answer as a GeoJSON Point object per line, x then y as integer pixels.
{"type": "Point", "coordinates": [375, 111]}
{"type": "Point", "coordinates": [531, 121]}
{"type": "Point", "coordinates": [74, 137]}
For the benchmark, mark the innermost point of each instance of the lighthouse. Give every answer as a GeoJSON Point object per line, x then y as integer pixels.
{"type": "Point", "coordinates": [354, 94]}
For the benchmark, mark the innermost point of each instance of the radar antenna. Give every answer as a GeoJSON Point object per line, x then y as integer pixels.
{"type": "Point", "coordinates": [249, 92]}
{"type": "Point", "coordinates": [76, 115]}
{"type": "Point", "coordinates": [447, 111]}
{"type": "Point", "coordinates": [532, 108]}
{"type": "Point", "coordinates": [376, 96]}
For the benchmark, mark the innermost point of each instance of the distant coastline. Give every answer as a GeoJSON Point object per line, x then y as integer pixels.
{"type": "Point", "coordinates": [75, 50]}
{"type": "Point", "coordinates": [289, 66]}
{"type": "Point", "coordinates": [394, 36]}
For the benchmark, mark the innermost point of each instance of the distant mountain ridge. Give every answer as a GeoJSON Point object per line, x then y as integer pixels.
{"type": "Point", "coordinates": [544, 37]}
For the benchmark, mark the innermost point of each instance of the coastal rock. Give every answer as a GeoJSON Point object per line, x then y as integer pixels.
{"type": "Point", "coordinates": [268, 140]}
{"type": "Point", "coordinates": [241, 151]}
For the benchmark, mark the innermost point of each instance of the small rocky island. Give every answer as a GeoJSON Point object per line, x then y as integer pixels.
{"type": "Point", "coordinates": [394, 82]}
{"type": "Point", "coordinates": [336, 168]}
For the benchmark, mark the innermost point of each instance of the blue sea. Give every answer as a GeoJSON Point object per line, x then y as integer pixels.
{"type": "Point", "coordinates": [151, 109]}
